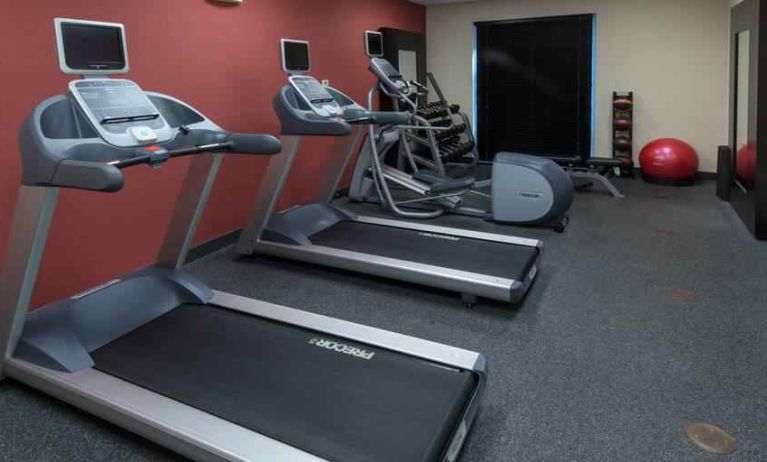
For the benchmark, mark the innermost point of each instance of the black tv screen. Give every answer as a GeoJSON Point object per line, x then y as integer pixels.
{"type": "Point", "coordinates": [295, 56]}
{"type": "Point", "coordinates": [374, 44]}
{"type": "Point", "coordinates": [92, 47]}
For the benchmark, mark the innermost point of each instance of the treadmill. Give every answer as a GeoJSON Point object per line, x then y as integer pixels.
{"type": "Point", "coordinates": [210, 375]}
{"type": "Point", "coordinates": [472, 263]}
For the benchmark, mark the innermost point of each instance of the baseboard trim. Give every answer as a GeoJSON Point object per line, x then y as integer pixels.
{"type": "Point", "coordinates": [213, 245]}
{"type": "Point", "coordinates": [701, 176]}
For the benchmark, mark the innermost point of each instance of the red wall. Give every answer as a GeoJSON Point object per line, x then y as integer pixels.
{"type": "Point", "coordinates": [224, 61]}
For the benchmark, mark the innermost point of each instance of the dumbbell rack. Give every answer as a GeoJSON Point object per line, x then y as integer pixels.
{"type": "Point", "coordinates": [456, 142]}
{"type": "Point", "coordinates": [623, 130]}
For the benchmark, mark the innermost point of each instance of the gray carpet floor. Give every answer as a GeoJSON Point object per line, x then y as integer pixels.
{"type": "Point", "coordinates": [650, 313]}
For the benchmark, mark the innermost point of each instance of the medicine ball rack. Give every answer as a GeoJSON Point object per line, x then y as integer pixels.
{"type": "Point", "coordinates": [623, 131]}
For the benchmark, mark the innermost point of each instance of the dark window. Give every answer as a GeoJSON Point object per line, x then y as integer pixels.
{"type": "Point", "coordinates": [533, 87]}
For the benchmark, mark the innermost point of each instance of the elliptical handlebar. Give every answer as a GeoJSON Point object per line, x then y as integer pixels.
{"type": "Point", "coordinates": [359, 116]}
{"type": "Point", "coordinates": [403, 96]}
{"type": "Point", "coordinates": [420, 89]}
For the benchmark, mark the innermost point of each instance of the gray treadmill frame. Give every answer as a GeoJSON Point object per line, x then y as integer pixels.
{"type": "Point", "coordinates": [469, 284]}
{"type": "Point", "coordinates": [181, 428]}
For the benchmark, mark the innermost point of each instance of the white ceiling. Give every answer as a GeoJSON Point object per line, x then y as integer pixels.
{"type": "Point", "coordinates": [439, 2]}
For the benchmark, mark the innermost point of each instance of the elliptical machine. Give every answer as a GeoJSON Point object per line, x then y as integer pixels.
{"type": "Point", "coordinates": [524, 189]}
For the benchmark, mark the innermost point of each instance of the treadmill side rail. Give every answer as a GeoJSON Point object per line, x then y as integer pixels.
{"type": "Point", "coordinates": [502, 238]}
{"type": "Point", "coordinates": [425, 349]}
{"type": "Point", "coordinates": [481, 285]}
{"type": "Point", "coordinates": [182, 429]}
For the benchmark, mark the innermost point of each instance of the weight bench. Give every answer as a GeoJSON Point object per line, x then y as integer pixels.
{"type": "Point", "coordinates": [591, 169]}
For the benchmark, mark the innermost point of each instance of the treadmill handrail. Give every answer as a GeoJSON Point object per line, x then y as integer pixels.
{"type": "Point", "coordinates": [106, 176]}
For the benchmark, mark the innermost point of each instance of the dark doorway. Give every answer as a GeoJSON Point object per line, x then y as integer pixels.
{"type": "Point", "coordinates": [533, 86]}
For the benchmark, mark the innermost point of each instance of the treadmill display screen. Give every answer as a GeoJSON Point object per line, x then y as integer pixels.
{"type": "Point", "coordinates": [92, 47]}
{"type": "Point", "coordinates": [374, 44]}
{"type": "Point", "coordinates": [295, 56]}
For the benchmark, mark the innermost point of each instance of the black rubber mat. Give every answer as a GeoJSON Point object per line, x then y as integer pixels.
{"type": "Point", "coordinates": [474, 255]}
{"type": "Point", "coordinates": [295, 386]}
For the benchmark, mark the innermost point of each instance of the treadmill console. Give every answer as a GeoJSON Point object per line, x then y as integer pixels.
{"type": "Point", "coordinates": [117, 109]}
{"type": "Point", "coordinates": [120, 111]}
{"type": "Point", "coordinates": [389, 76]}
{"type": "Point", "coordinates": [316, 96]}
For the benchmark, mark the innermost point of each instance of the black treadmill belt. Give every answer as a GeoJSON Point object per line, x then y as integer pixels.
{"type": "Point", "coordinates": [465, 254]}
{"type": "Point", "coordinates": [284, 382]}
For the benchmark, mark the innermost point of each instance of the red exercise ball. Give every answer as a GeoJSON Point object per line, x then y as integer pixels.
{"type": "Point", "coordinates": [746, 163]}
{"type": "Point", "coordinates": [669, 161]}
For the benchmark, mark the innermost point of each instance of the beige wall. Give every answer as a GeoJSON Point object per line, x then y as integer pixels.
{"type": "Point", "coordinates": [674, 54]}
